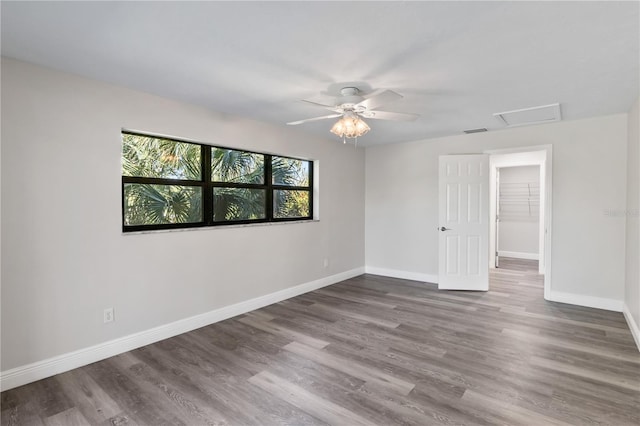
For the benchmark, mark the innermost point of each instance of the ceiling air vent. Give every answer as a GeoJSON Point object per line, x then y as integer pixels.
{"type": "Point", "coordinates": [527, 116]}
{"type": "Point", "coordinates": [475, 130]}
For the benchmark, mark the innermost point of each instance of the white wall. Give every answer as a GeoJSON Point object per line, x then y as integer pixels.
{"type": "Point", "coordinates": [65, 258]}
{"type": "Point", "coordinates": [589, 176]}
{"type": "Point", "coordinates": [632, 279]}
{"type": "Point", "coordinates": [519, 227]}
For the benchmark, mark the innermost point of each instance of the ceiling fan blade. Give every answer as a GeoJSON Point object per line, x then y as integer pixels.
{"type": "Point", "coordinates": [380, 98]}
{"type": "Point", "coordinates": [329, 107]}
{"type": "Point", "coordinates": [318, 103]}
{"type": "Point", "coordinates": [386, 115]}
{"type": "Point", "coordinates": [293, 123]}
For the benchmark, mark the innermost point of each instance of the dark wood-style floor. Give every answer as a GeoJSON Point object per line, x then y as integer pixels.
{"type": "Point", "coordinates": [370, 350]}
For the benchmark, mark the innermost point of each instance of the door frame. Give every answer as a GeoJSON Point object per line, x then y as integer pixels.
{"type": "Point", "coordinates": [540, 155]}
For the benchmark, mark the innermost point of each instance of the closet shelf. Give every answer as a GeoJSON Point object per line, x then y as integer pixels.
{"type": "Point", "coordinates": [519, 201]}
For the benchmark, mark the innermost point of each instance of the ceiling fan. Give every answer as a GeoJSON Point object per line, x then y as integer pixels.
{"type": "Point", "coordinates": [351, 106]}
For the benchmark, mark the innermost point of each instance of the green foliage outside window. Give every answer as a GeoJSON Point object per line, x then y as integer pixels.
{"type": "Point", "coordinates": [238, 204]}
{"type": "Point", "coordinates": [144, 156]}
{"type": "Point", "coordinates": [229, 165]}
{"type": "Point", "coordinates": [161, 204]}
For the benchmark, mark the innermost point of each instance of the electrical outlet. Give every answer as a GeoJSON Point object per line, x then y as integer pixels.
{"type": "Point", "coordinates": [108, 315]}
{"type": "Point", "coordinates": [326, 263]}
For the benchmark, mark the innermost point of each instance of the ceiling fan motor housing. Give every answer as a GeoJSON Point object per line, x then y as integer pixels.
{"type": "Point", "coordinates": [349, 98]}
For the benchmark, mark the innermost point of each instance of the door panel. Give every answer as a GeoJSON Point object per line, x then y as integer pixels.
{"type": "Point", "coordinates": [453, 203]}
{"type": "Point", "coordinates": [453, 254]}
{"type": "Point", "coordinates": [464, 222]}
{"type": "Point", "coordinates": [474, 204]}
{"type": "Point", "coordinates": [473, 255]}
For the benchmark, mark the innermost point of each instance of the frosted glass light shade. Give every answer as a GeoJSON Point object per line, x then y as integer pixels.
{"type": "Point", "coordinates": [350, 127]}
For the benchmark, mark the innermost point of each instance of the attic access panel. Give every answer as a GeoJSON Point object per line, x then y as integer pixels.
{"type": "Point", "coordinates": [533, 115]}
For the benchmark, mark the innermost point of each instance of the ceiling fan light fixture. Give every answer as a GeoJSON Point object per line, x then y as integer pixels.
{"type": "Point", "coordinates": [350, 127]}
{"type": "Point", "coordinates": [351, 106]}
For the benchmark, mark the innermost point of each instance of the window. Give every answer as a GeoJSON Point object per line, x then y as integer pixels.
{"type": "Point", "coordinates": [174, 184]}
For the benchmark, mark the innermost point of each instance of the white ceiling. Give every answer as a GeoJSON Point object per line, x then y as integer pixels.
{"type": "Point", "coordinates": [456, 63]}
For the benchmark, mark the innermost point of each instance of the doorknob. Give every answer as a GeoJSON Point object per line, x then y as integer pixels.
{"type": "Point", "coordinates": [445, 229]}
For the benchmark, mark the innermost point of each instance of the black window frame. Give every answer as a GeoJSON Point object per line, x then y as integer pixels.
{"type": "Point", "coordinates": [207, 185]}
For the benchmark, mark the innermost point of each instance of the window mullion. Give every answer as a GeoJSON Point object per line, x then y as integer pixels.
{"type": "Point", "coordinates": [159, 181]}
{"type": "Point", "coordinates": [238, 185]}
{"type": "Point", "coordinates": [291, 188]}
{"type": "Point", "coordinates": [207, 188]}
{"type": "Point", "coordinates": [311, 189]}
{"type": "Point", "coordinates": [268, 180]}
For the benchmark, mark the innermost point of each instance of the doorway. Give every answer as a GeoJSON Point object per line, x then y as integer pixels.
{"type": "Point", "coordinates": [517, 214]}
{"type": "Point", "coordinates": [520, 212]}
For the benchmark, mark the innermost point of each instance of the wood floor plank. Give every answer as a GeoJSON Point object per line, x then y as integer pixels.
{"type": "Point", "coordinates": [92, 401]}
{"type": "Point", "coordinates": [513, 414]}
{"type": "Point", "coordinates": [589, 374]}
{"type": "Point", "coordinates": [528, 337]}
{"type": "Point", "coordinates": [349, 296]}
{"type": "Point", "coordinates": [283, 331]}
{"type": "Point", "coordinates": [582, 409]}
{"type": "Point", "coordinates": [70, 417]}
{"type": "Point", "coordinates": [301, 398]}
{"type": "Point", "coordinates": [368, 374]}
{"type": "Point", "coordinates": [23, 414]}
{"type": "Point", "coordinates": [351, 312]}
{"type": "Point", "coordinates": [128, 394]}
{"type": "Point", "coordinates": [562, 320]}
{"type": "Point", "coordinates": [369, 350]}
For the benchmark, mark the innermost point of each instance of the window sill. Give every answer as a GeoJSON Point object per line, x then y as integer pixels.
{"type": "Point", "coordinates": [209, 228]}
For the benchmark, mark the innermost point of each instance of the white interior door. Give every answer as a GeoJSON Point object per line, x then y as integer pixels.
{"type": "Point", "coordinates": [464, 222]}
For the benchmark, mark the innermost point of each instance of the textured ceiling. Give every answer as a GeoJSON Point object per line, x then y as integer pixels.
{"type": "Point", "coordinates": [456, 63]}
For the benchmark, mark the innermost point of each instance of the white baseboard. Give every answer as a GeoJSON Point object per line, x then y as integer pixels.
{"type": "Point", "coordinates": [395, 273]}
{"type": "Point", "coordinates": [588, 301]}
{"type": "Point", "coordinates": [633, 325]}
{"type": "Point", "coordinates": [41, 369]}
{"type": "Point", "coordinates": [519, 255]}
